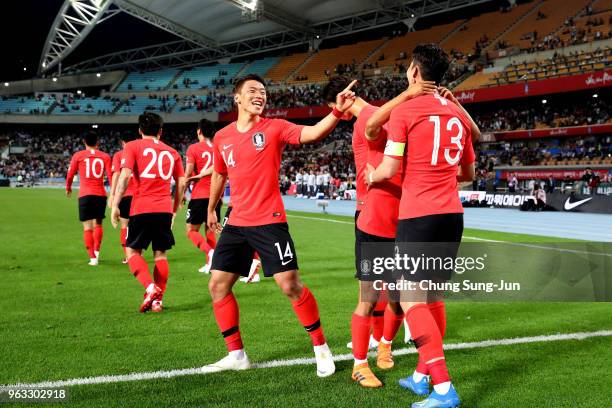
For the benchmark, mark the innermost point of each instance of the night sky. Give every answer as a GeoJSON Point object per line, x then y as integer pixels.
{"type": "Point", "coordinates": [25, 25]}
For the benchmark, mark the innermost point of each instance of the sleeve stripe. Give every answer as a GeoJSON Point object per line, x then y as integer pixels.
{"type": "Point", "coordinates": [394, 148]}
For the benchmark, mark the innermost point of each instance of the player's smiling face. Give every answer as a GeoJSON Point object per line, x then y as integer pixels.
{"type": "Point", "coordinates": [252, 97]}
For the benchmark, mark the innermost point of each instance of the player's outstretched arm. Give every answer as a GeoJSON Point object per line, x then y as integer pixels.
{"type": "Point", "coordinates": [344, 100]}
{"type": "Point", "coordinates": [217, 184]}
{"type": "Point", "coordinates": [122, 185]}
{"type": "Point", "coordinates": [381, 116]}
{"type": "Point", "coordinates": [385, 170]}
{"type": "Point", "coordinates": [445, 93]}
{"type": "Point", "coordinates": [200, 176]}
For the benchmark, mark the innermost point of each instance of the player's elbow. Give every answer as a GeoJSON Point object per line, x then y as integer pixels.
{"type": "Point", "coordinates": [468, 172]}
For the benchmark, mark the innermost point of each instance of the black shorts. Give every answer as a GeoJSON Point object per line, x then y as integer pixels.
{"type": "Point", "coordinates": [124, 207]}
{"type": "Point", "coordinates": [227, 214]}
{"type": "Point", "coordinates": [437, 235]}
{"type": "Point", "coordinates": [362, 272]}
{"type": "Point", "coordinates": [152, 228]}
{"type": "Point", "coordinates": [237, 245]}
{"type": "Point", "coordinates": [197, 211]}
{"type": "Point", "coordinates": [92, 207]}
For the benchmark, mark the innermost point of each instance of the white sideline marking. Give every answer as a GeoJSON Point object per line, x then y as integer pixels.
{"type": "Point", "coordinates": [152, 375]}
{"type": "Point", "coordinates": [572, 251]}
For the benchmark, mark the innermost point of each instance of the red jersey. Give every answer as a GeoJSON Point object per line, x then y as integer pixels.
{"type": "Point", "coordinates": [153, 165]}
{"type": "Point", "coordinates": [91, 164]}
{"type": "Point", "coordinates": [381, 208]}
{"type": "Point", "coordinates": [252, 162]}
{"type": "Point", "coordinates": [360, 152]}
{"type": "Point", "coordinates": [201, 156]}
{"type": "Point", "coordinates": [438, 138]}
{"type": "Point", "coordinates": [116, 168]}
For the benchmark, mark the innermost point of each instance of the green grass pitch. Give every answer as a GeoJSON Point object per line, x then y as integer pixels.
{"type": "Point", "coordinates": [63, 319]}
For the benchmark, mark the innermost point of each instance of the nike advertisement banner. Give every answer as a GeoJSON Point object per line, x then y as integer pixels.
{"type": "Point", "coordinates": [600, 204]}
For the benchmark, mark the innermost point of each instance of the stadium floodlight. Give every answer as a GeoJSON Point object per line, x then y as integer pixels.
{"type": "Point", "coordinates": [94, 126]}
{"type": "Point", "coordinates": [54, 79]}
{"type": "Point", "coordinates": [595, 96]}
{"type": "Point", "coordinates": [544, 101]}
{"type": "Point", "coordinates": [98, 75]}
{"type": "Point", "coordinates": [24, 69]}
{"type": "Point", "coordinates": [79, 92]}
{"type": "Point", "coordinates": [6, 84]}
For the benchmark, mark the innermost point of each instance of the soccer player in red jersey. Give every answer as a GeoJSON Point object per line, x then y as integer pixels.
{"type": "Point", "coordinates": [126, 201]}
{"type": "Point", "coordinates": [434, 137]}
{"type": "Point", "coordinates": [376, 222]}
{"type": "Point", "coordinates": [91, 164]}
{"type": "Point", "coordinates": [198, 171]}
{"type": "Point", "coordinates": [153, 165]}
{"type": "Point", "coordinates": [248, 151]}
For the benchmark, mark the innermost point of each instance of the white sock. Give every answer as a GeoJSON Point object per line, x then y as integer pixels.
{"type": "Point", "coordinates": [417, 377]}
{"type": "Point", "coordinates": [237, 354]}
{"type": "Point", "coordinates": [385, 341]}
{"type": "Point", "coordinates": [442, 388]}
{"type": "Point", "coordinates": [210, 255]}
{"type": "Point", "coordinates": [357, 361]}
{"type": "Point", "coordinates": [150, 287]}
{"type": "Point", "coordinates": [323, 348]}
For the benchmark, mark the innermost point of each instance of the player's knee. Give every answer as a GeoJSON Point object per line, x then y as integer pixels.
{"type": "Point", "coordinates": [364, 308]}
{"type": "Point", "coordinates": [218, 289]}
{"type": "Point", "coordinates": [291, 288]}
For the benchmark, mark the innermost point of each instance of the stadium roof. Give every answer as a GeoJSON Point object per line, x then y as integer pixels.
{"type": "Point", "coordinates": [209, 30]}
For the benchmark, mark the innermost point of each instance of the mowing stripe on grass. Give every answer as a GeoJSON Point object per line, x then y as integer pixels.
{"type": "Point", "coordinates": [572, 251]}
{"type": "Point", "coordinates": [152, 375]}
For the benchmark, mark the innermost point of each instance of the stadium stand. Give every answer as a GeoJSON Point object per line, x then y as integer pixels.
{"type": "Point", "coordinates": [397, 50]}
{"type": "Point", "coordinates": [559, 65]}
{"type": "Point", "coordinates": [334, 60]}
{"type": "Point", "coordinates": [478, 32]}
{"type": "Point", "coordinates": [137, 104]}
{"type": "Point", "coordinates": [148, 81]}
{"type": "Point", "coordinates": [286, 66]}
{"type": "Point", "coordinates": [261, 66]}
{"type": "Point", "coordinates": [207, 77]}
{"type": "Point", "coordinates": [85, 106]}
{"type": "Point", "coordinates": [548, 18]}
{"type": "Point", "coordinates": [26, 106]}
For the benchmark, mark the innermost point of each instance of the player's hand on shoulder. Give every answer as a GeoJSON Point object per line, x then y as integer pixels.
{"type": "Point", "coordinates": [445, 93]}
{"type": "Point", "coordinates": [422, 88]}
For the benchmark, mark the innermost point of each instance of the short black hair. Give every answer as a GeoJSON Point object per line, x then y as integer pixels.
{"type": "Point", "coordinates": [207, 128]}
{"type": "Point", "coordinates": [433, 61]}
{"type": "Point", "coordinates": [90, 138]}
{"type": "Point", "coordinates": [247, 77]}
{"type": "Point", "coordinates": [127, 137]}
{"type": "Point", "coordinates": [150, 124]}
{"type": "Point", "coordinates": [335, 85]}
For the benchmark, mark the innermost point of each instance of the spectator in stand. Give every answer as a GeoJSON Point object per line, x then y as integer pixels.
{"type": "Point", "coordinates": [312, 184]}
{"type": "Point", "coordinates": [512, 182]}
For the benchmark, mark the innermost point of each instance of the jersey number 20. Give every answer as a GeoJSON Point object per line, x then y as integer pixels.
{"type": "Point", "coordinates": [160, 164]}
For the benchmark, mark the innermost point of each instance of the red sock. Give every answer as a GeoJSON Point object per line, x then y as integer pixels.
{"type": "Point", "coordinates": [89, 242]}
{"type": "Point", "coordinates": [199, 241]}
{"type": "Point", "coordinates": [123, 237]}
{"type": "Point", "coordinates": [211, 239]}
{"type": "Point", "coordinates": [307, 313]}
{"type": "Point", "coordinates": [228, 317]}
{"type": "Point", "coordinates": [377, 320]}
{"type": "Point", "coordinates": [98, 234]}
{"type": "Point", "coordinates": [140, 269]}
{"type": "Point", "coordinates": [427, 339]}
{"type": "Point", "coordinates": [438, 311]}
{"type": "Point", "coordinates": [160, 274]}
{"type": "Point", "coordinates": [256, 255]}
{"type": "Point", "coordinates": [360, 336]}
{"type": "Point", "coordinates": [392, 323]}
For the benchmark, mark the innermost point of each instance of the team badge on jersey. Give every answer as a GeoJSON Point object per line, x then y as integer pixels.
{"type": "Point", "coordinates": [259, 140]}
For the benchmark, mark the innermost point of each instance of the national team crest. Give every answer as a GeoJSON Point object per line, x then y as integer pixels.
{"type": "Point", "coordinates": [259, 140]}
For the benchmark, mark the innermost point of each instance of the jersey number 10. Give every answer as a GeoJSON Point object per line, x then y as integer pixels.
{"type": "Point", "coordinates": [91, 168]}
